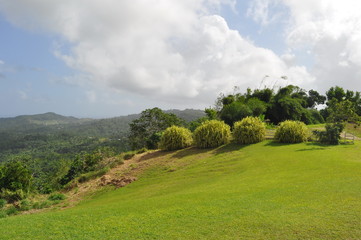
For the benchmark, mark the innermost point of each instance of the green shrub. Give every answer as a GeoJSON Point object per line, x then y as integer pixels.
{"type": "Point", "coordinates": [12, 210]}
{"type": "Point", "coordinates": [332, 135]}
{"type": "Point", "coordinates": [292, 132]}
{"type": "Point", "coordinates": [41, 205]}
{"type": "Point", "coordinates": [249, 130]}
{"type": "Point", "coordinates": [211, 134]}
{"type": "Point", "coordinates": [12, 196]}
{"type": "Point", "coordinates": [175, 138]}
{"type": "Point", "coordinates": [56, 196]}
{"type": "Point", "coordinates": [25, 205]}
{"type": "Point", "coordinates": [2, 203]}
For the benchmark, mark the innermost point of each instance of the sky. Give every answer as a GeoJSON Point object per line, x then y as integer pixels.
{"type": "Point", "coordinates": [107, 58]}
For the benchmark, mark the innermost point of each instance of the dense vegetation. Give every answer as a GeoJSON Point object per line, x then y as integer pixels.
{"type": "Point", "coordinates": [56, 149]}
{"type": "Point", "coordinates": [51, 152]}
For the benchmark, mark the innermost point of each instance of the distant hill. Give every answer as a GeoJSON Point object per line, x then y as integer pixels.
{"type": "Point", "coordinates": [55, 123]}
{"type": "Point", "coordinates": [38, 121]}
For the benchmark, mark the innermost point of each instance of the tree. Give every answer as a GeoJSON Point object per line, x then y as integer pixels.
{"type": "Point", "coordinates": [314, 98]}
{"type": "Point", "coordinates": [15, 181]}
{"type": "Point", "coordinates": [146, 130]}
{"type": "Point", "coordinates": [234, 112]}
{"type": "Point", "coordinates": [337, 93]}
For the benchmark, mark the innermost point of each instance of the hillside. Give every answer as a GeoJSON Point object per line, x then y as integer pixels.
{"type": "Point", "coordinates": [260, 191]}
{"type": "Point", "coordinates": [50, 123]}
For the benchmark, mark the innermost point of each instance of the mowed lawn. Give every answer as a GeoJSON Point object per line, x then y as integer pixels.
{"type": "Point", "coordinates": [261, 191]}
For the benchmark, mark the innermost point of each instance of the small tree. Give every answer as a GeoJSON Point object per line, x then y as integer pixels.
{"type": "Point", "coordinates": [175, 138]}
{"type": "Point", "coordinates": [211, 134]}
{"type": "Point", "coordinates": [292, 132]}
{"type": "Point", "coordinates": [332, 135]}
{"type": "Point", "coordinates": [249, 130]}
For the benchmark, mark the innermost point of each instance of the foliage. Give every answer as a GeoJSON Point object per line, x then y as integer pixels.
{"type": "Point", "coordinates": [12, 210]}
{"type": "Point", "coordinates": [42, 204]}
{"type": "Point", "coordinates": [86, 162]}
{"type": "Point", "coordinates": [234, 111]}
{"type": "Point", "coordinates": [292, 132]}
{"type": "Point", "coordinates": [249, 130]}
{"type": "Point", "coordinates": [15, 180]}
{"type": "Point", "coordinates": [332, 134]}
{"type": "Point", "coordinates": [146, 130]}
{"type": "Point", "coordinates": [343, 111]}
{"type": "Point", "coordinates": [56, 196]}
{"type": "Point", "coordinates": [175, 138]}
{"type": "Point", "coordinates": [212, 134]}
{"type": "Point", "coordinates": [12, 196]}
{"type": "Point", "coordinates": [3, 202]}
{"type": "Point", "coordinates": [25, 205]}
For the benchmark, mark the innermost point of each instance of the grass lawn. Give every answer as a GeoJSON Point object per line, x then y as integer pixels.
{"type": "Point", "coordinates": [261, 191]}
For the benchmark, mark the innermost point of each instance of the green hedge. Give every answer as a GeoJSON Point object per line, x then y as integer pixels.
{"type": "Point", "coordinates": [212, 134]}
{"type": "Point", "coordinates": [249, 130]}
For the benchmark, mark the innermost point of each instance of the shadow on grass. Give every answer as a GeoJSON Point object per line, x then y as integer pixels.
{"type": "Point", "coordinates": [154, 154]}
{"type": "Point", "coordinates": [191, 151]}
{"type": "Point", "coordinates": [229, 148]}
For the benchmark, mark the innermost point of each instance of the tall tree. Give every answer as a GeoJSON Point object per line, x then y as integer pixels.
{"type": "Point", "coordinates": [146, 130]}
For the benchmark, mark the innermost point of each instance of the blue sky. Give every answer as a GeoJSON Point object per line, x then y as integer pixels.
{"type": "Point", "coordinates": [90, 58]}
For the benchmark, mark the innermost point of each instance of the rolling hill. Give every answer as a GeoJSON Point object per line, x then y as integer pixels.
{"type": "Point", "coordinates": [261, 191]}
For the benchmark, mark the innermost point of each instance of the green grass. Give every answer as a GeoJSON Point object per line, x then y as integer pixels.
{"type": "Point", "coordinates": [261, 191]}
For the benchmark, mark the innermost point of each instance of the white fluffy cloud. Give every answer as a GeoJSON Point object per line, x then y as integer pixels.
{"type": "Point", "coordinates": [329, 30]}
{"type": "Point", "coordinates": [164, 49]}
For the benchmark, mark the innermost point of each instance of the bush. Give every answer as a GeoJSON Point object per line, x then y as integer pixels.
{"type": "Point", "coordinates": [12, 196]}
{"type": "Point", "coordinates": [41, 205]}
{"type": "Point", "coordinates": [249, 130]}
{"type": "Point", "coordinates": [211, 134]}
{"type": "Point", "coordinates": [292, 132]}
{"type": "Point", "coordinates": [2, 203]}
{"type": "Point", "coordinates": [25, 205]}
{"type": "Point", "coordinates": [175, 138]}
{"type": "Point", "coordinates": [56, 196]}
{"type": "Point", "coordinates": [11, 211]}
{"type": "Point", "coordinates": [332, 135]}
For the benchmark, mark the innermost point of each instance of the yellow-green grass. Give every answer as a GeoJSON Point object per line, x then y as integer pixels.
{"type": "Point", "coordinates": [260, 191]}
{"type": "Point", "coordinates": [353, 129]}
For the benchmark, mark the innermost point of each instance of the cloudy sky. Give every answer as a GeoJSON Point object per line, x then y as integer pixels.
{"type": "Point", "coordinates": [104, 58]}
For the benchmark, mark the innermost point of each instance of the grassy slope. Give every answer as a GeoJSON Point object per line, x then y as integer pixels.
{"type": "Point", "coordinates": [262, 191]}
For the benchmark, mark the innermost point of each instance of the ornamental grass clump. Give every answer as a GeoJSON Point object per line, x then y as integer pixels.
{"type": "Point", "coordinates": [292, 132]}
{"type": "Point", "coordinates": [249, 130]}
{"type": "Point", "coordinates": [212, 134]}
{"type": "Point", "coordinates": [175, 138]}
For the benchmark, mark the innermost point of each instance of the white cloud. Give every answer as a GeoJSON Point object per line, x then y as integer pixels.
{"type": "Point", "coordinates": [165, 49]}
{"type": "Point", "coordinates": [331, 31]}
{"type": "Point", "coordinates": [1, 62]}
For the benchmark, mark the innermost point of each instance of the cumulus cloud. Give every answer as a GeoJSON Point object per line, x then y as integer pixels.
{"type": "Point", "coordinates": [331, 31]}
{"type": "Point", "coordinates": [164, 49]}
